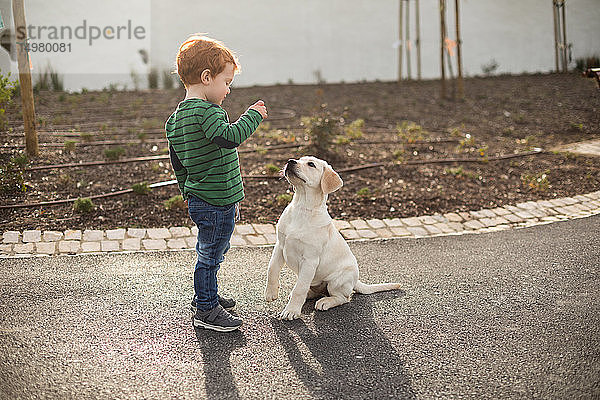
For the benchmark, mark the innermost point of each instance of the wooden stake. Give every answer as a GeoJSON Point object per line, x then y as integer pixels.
{"type": "Point", "coordinates": [31, 139]}
{"type": "Point", "coordinates": [461, 90]}
{"type": "Point", "coordinates": [442, 30]}
{"type": "Point", "coordinates": [400, 41]}
{"type": "Point", "coordinates": [564, 39]}
{"type": "Point", "coordinates": [418, 40]}
{"type": "Point", "coordinates": [408, 74]}
{"type": "Point", "coordinates": [555, 16]}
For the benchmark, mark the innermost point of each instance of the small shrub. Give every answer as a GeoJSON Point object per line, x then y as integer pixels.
{"type": "Point", "coordinates": [175, 203]}
{"type": "Point", "coordinates": [354, 129]}
{"type": "Point", "coordinates": [142, 136]}
{"type": "Point", "coordinates": [7, 92]}
{"type": "Point", "coordinates": [321, 130]}
{"type": "Point", "coordinates": [459, 172]}
{"type": "Point", "coordinates": [114, 153]}
{"type": "Point", "coordinates": [468, 141]}
{"type": "Point", "coordinates": [364, 192]}
{"type": "Point", "coordinates": [587, 62]}
{"type": "Point", "coordinates": [86, 136]}
{"type": "Point", "coordinates": [284, 199]}
{"type": "Point", "coordinates": [411, 132]}
{"type": "Point", "coordinates": [538, 182]}
{"type": "Point", "coordinates": [83, 205]}
{"type": "Point", "coordinates": [70, 146]}
{"type": "Point", "coordinates": [141, 188]}
{"type": "Point", "coordinates": [272, 169]}
{"type": "Point", "coordinates": [167, 80]}
{"type": "Point", "coordinates": [65, 180]}
{"type": "Point", "coordinates": [11, 175]}
{"type": "Point", "coordinates": [490, 68]}
{"type": "Point", "coordinates": [153, 78]}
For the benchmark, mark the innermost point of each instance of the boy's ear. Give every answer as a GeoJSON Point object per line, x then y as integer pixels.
{"type": "Point", "coordinates": [205, 76]}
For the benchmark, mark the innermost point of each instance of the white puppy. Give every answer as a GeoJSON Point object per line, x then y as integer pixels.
{"type": "Point", "coordinates": [309, 243]}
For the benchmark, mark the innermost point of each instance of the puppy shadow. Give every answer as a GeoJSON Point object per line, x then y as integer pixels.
{"type": "Point", "coordinates": [216, 350]}
{"type": "Point", "coordinates": [349, 356]}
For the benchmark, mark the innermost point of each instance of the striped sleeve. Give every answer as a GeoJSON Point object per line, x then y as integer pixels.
{"type": "Point", "coordinates": [180, 171]}
{"type": "Point", "coordinates": [217, 128]}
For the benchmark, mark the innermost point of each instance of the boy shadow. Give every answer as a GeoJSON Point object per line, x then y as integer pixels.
{"type": "Point", "coordinates": [216, 350]}
{"type": "Point", "coordinates": [351, 356]}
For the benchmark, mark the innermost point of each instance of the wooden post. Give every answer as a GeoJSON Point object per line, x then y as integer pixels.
{"type": "Point", "coordinates": [555, 16]}
{"type": "Point", "coordinates": [31, 139]}
{"type": "Point", "coordinates": [418, 40]}
{"type": "Point", "coordinates": [460, 86]}
{"type": "Point", "coordinates": [408, 74]}
{"type": "Point", "coordinates": [442, 30]}
{"type": "Point", "coordinates": [564, 32]}
{"type": "Point", "coordinates": [400, 41]}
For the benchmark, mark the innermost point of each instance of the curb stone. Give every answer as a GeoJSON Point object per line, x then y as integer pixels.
{"type": "Point", "coordinates": [32, 243]}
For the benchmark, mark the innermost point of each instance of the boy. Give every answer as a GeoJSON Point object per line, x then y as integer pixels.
{"type": "Point", "coordinates": [202, 145]}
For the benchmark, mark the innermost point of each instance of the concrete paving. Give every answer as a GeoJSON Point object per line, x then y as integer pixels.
{"type": "Point", "coordinates": [32, 243]}
{"type": "Point", "coordinates": [511, 314]}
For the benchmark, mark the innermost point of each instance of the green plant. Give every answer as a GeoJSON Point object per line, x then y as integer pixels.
{"type": "Point", "coordinates": [459, 172]}
{"type": "Point", "coordinates": [86, 136]}
{"type": "Point", "coordinates": [114, 153]}
{"type": "Point", "coordinates": [399, 155]}
{"type": "Point", "coordinates": [354, 129]}
{"type": "Point", "coordinates": [142, 136]}
{"type": "Point", "coordinates": [411, 132]}
{"type": "Point", "coordinates": [65, 180]}
{"type": "Point", "coordinates": [7, 92]}
{"type": "Point", "coordinates": [141, 188]}
{"type": "Point", "coordinates": [576, 126]}
{"type": "Point", "coordinates": [70, 146]}
{"type": "Point", "coordinates": [11, 175]}
{"type": "Point", "coordinates": [587, 62]}
{"type": "Point", "coordinates": [321, 130]}
{"type": "Point", "coordinates": [538, 182]}
{"type": "Point", "coordinates": [83, 205]}
{"type": "Point", "coordinates": [174, 203]}
{"type": "Point", "coordinates": [467, 142]}
{"type": "Point", "coordinates": [272, 169]}
{"type": "Point", "coordinates": [56, 80]}
{"type": "Point", "coordinates": [490, 67]}
{"type": "Point", "coordinates": [364, 192]}
{"type": "Point", "coordinates": [167, 80]}
{"type": "Point", "coordinates": [284, 199]}
{"type": "Point", "coordinates": [153, 78]}
{"type": "Point", "coordinates": [151, 123]}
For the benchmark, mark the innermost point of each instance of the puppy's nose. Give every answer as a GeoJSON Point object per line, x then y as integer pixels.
{"type": "Point", "coordinates": [291, 161]}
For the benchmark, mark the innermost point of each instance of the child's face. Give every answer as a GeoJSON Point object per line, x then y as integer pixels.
{"type": "Point", "coordinates": [218, 87]}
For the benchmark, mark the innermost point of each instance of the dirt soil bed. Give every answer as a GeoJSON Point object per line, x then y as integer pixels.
{"type": "Point", "coordinates": [500, 116]}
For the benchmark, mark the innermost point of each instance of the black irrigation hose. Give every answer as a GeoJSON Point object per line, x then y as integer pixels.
{"type": "Point", "coordinates": [350, 169]}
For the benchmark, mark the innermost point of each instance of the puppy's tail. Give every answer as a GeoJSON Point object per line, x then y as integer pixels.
{"type": "Point", "coordinates": [364, 288]}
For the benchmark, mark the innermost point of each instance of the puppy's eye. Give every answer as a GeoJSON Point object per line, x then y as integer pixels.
{"type": "Point", "coordinates": [312, 164]}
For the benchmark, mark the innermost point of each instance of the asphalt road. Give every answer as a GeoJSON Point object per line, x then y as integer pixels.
{"type": "Point", "coordinates": [514, 314]}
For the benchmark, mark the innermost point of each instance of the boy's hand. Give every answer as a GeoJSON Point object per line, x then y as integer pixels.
{"type": "Point", "coordinates": [260, 107]}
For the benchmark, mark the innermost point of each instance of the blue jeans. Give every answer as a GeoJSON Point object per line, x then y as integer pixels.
{"type": "Point", "coordinates": [215, 227]}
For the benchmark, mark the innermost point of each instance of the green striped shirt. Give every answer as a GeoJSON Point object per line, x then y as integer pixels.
{"type": "Point", "coordinates": [203, 147]}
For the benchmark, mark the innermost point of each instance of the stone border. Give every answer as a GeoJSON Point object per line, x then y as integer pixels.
{"type": "Point", "coordinates": [37, 243]}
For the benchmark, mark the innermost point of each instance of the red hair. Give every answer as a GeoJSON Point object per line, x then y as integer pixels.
{"type": "Point", "coordinates": [199, 53]}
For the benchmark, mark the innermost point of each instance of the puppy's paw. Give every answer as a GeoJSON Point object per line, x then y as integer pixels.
{"type": "Point", "coordinates": [326, 303]}
{"type": "Point", "coordinates": [289, 314]}
{"type": "Point", "coordinates": [271, 293]}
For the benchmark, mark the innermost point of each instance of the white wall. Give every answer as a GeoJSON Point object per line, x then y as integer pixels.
{"type": "Point", "coordinates": [279, 41]}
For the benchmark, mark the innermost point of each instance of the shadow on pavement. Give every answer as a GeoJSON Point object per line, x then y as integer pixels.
{"type": "Point", "coordinates": [216, 350]}
{"type": "Point", "coordinates": [349, 355]}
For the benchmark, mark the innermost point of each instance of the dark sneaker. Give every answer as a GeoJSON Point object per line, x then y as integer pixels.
{"type": "Point", "coordinates": [223, 301]}
{"type": "Point", "coordinates": [217, 319]}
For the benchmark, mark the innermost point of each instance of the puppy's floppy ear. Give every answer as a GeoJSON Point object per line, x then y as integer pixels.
{"type": "Point", "coordinates": [330, 181]}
